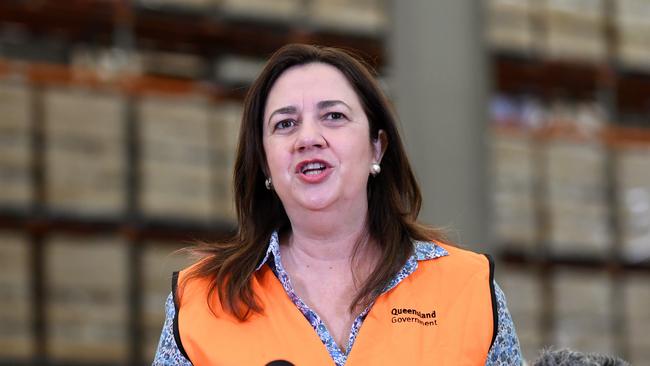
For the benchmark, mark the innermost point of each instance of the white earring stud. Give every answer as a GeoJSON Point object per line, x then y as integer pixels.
{"type": "Point", "coordinates": [375, 169]}
{"type": "Point", "coordinates": [268, 183]}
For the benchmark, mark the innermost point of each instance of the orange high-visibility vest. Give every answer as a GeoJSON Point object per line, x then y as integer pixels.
{"type": "Point", "coordinates": [442, 314]}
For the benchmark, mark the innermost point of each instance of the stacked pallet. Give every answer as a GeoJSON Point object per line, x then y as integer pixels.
{"type": "Point", "coordinates": [513, 173]}
{"type": "Point", "coordinates": [575, 29]}
{"type": "Point", "coordinates": [15, 144]}
{"type": "Point", "coordinates": [84, 151]}
{"type": "Point", "coordinates": [633, 192]}
{"type": "Point", "coordinates": [86, 299]}
{"type": "Point", "coordinates": [583, 314]}
{"type": "Point", "coordinates": [509, 25]}
{"type": "Point", "coordinates": [178, 5]}
{"type": "Point", "coordinates": [16, 316]}
{"type": "Point", "coordinates": [365, 16]}
{"type": "Point", "coordinates": [633, 25]}
{"type": "Point", "coordinates": [283, 10]}
{"type": "Point", "coordinates": [637, 318]}
{"type": "Point", "coordinates": [178, 147]}
{"type": "Point", "coordinates": [524, 296]}
{"type": "Point", "coordinates": [576, 197]}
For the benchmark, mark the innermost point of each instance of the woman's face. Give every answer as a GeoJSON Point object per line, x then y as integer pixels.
{"type": "Point", "coordinates": [317, 140]}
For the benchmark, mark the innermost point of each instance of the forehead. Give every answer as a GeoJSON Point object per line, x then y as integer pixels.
{"type": "Point", "coordinates": [310, 83]}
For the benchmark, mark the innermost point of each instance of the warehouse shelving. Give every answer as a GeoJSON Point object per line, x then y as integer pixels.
{"type": "Point", "coordinates": [130, 26]}
{"type": "Point", "coordinates": [624, 95]}
{"type": "Point", "coordinates": [524, 63]}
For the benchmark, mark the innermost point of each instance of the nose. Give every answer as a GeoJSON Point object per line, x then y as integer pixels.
{"type": "Point", "coordinates": [310, 136]}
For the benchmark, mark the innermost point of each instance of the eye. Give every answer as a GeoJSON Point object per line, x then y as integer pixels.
{"type": "Point", "coordinates": [335, 115]}
{"type": "Point", "coordinates": [284, 124]}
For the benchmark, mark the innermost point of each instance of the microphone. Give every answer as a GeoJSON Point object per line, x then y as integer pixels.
{"type": "Point", "coordinates": [567, 357]}
{"type": "Point", "coordinates": [280, 363]}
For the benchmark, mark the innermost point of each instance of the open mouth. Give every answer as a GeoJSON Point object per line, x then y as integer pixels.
{"type": "Point", "coordinates": [312, 168]}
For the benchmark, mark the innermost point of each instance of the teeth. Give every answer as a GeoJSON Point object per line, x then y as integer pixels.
{"type": "Point", "coordinates": [312, 168]}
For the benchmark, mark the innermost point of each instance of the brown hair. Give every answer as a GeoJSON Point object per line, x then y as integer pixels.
{"type": "Point", "coordinates": [393, 195]}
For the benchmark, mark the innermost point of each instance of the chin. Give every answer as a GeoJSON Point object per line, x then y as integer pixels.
{"type": "Point", "coordinates": [316, 203]}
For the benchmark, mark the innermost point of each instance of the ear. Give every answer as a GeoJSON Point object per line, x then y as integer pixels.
{"type": "Point", "coordinates": [379, 145]}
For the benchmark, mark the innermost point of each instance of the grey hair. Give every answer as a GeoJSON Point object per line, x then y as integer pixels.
{"type": "Point", "coordinates": [567, 357]}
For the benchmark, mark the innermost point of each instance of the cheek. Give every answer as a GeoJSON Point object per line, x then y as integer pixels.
{"type": "Point", "coordinates": [276, 159]}
{"type": "Point", "coordinates": [271, 156]}
{"type": "Point", "coordinates": [359, 156]}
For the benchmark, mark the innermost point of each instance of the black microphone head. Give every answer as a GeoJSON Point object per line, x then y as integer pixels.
{"type": "Point", "coordinates": [567, 357]}
{"type": "Point", "coordinates": [279, 363]}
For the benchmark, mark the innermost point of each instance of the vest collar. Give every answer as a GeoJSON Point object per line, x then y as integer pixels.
{"type": "Point", "coordinates": [423, 251]}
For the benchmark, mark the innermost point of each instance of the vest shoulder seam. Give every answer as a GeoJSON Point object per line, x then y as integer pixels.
{"type": "Point", "coordinates": [495, 314]}
{"type": "Point", "coordinates": [177, 334]}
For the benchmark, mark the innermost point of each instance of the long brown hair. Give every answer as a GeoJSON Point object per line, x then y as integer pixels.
{"type": "Point", "coordinates": [393, 195]}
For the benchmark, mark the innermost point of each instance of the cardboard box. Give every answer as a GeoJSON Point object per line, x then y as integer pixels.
{"type": "Point", "coordinates": [637, 317]}
{"type": "Point", "coordinates": [633, 32]}
{"type": "Point", "coordinates": [588, 9]}
{"type": "Point", "coordinates": [15, 144]}
{"type": "Point", "coordinates": [366, 16]}
{"type": "Point", "coordinates": [637, 309]}
{"type": "Point", "coordinates": [575, 30]}
{"type": "Point", "coordinates": [179, 149]}
{"type": "Point", "coordinates": [633, 191]}
{"type": "Point", "coordinates": [634, 47]}
{"type": "Point", "coordinates": [16, 337]}
{"type": "Point", "coordinates": [576, 172]}
{"type": "Point", "coordinates": [174, 64]}
{"type": "Point", "coordinates": [632, 12]}
{"type": "Point", "coordinates": [584, 313]}
{"type": "Point", "coordinates": [579, 229]}
{"type": "Point", "coordinates": [509, 25]}
{"type": "Point", "coordinates": [515, 222]}
{"type": "Point", "coordinates": [524, 295]}
{"type": "Point", "coordinates": [513, 176]}
{"type": "Point", "coordinates": [282, 10]}
{"type": "Point", "coordinates": [178, 4]}
{"type": "Point", "coordinates": [238, 70]}
{"type": "Point", "coordinates": [85, 156]}
{"type": "Point", "coordinates": [576, 197]}
{"type": "Point", "coordinates": [86, 299]}
{"type": "Point", "coordinates": [174, 190]}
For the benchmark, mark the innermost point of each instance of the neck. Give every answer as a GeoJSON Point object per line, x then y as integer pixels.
{"type": "Point", "coordinates": [329, 234]}
{"type": "Point", "coordinates": [322, 254]}
{"type": "Point", "coordinates": [320, 247]}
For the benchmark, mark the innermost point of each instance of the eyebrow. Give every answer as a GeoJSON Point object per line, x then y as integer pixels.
{"type": "Point", "coordinates": [321, 105]}
{"type": "Point", "coordinates": [328, 103]}
{"type": "Point", "coordinates": [283, 110]}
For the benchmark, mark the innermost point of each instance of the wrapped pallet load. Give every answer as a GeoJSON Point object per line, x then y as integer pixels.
{"type": "Point", "coordinates": [84, 151]}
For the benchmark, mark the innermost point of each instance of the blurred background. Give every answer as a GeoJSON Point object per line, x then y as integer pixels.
{"type": "Point", "coordinates": [527, 122]}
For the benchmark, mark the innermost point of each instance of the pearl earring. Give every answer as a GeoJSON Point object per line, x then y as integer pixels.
{"type": "Point", "coordinates": [268, 183]}
{"type": "Point", "coordinates": [375, 169]}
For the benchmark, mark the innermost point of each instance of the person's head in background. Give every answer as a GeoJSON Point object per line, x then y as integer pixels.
{"type": "Point", "coordinates": [321, 105]}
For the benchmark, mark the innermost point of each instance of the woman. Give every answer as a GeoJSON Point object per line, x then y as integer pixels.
{"type": "Point", "coordinates": [329, 265]}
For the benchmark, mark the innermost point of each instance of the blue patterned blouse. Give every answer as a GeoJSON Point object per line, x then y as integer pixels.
{"type": "Point", "coordinates": [505, 349]}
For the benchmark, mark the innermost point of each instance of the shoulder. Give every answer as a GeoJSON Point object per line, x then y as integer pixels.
{"type": "Point", "coordinates": [459, 272]}
{"type": "Point", "coordinates": [192, 275]}
{"type": "Point", "coordinates": [191, 284]}
{"type": "Point", "coordinates": [461, 262]}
